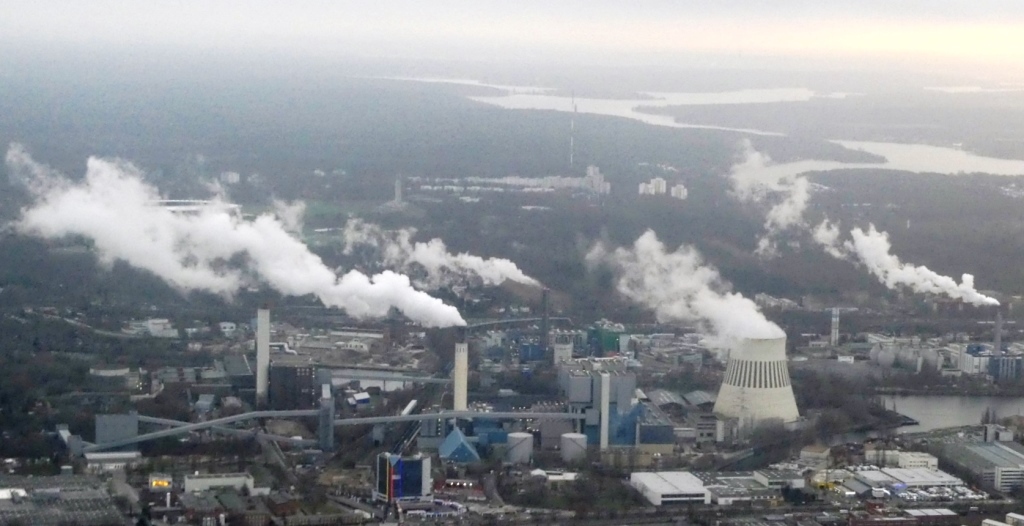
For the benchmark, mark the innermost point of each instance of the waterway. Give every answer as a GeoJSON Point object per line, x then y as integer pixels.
{"type": "Point", "coordinates": [918, 158]}
{"type": "Point", "coordinates": [936, 412]}
{"type": "Point", "coordinates": [627, 108]}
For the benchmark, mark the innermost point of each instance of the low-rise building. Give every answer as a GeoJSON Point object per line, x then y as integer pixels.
{"type": "Point", "coordinates": [916, 459]}
{"type": "Point", "coordinates": [108, 461]}
{"type": "Point", "coordinates": [998, 465]}
{"type": "Point", "coordinates": [195, 483]}
{"type": "Point", "coordinates": [670, 487]}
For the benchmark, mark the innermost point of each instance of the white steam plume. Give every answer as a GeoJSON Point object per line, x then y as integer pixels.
{"type": "Point", "coordinates": [290, 214]}
{"type": "Point", "coordinates": [872, 249]}
{"type": "Point", "coordinates": [211, 250]}
{"type": "Point", "coordinates": [680, 286]}
{"type": "Point", "coordinates": [754, 180]}
{"type": "Point", "coordinates": [827, 234]}
{"type": "Point", "coordinates": [441, 267]}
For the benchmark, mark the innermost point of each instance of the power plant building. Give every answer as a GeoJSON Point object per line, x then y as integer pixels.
{"type": "Point", "coordinates": [115, 427]}
{"type": "Point", "coordinates": [756, 386]}
{"type": "Point", "coordinates": [293, 386]}
{"type": "Point", "coordinates": [604, 392]}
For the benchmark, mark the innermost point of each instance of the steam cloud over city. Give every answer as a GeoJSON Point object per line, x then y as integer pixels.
{"type": "Point", "coordinates": [441, 267]}
{"type": "Point", "coordinates": [211, 250]}
{"type": "Point", "coordinates": [753, 180]}
{"type": "Point", "coordinates": [680, 287]}
{"type": "Point", "coordinates": [872, 249]}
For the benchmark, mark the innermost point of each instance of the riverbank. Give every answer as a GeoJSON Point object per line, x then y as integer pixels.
{"type": "Point", "coordinates": [951, 390]}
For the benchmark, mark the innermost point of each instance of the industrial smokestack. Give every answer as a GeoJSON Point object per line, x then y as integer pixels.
{"type": "Point", "coordinates": [997, 341]}
{"type": "Point", "coordinates": [606, 393]}
{"type": "Point", "coordinates": [460, 377]}
{"type": "Point", "coordinates": [834, 337]}
{"type": "Point", "coordinates": [262, 355]}
{"type": "Point", "coordinates": [545, 326]}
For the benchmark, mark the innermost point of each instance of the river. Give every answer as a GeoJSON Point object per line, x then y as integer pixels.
{"type": "Point", "coordinates": [935, 412]}
{"type": "Point", "coordinates": [918, 158]}
{"type": "Point", "coordinates": [627, 108]}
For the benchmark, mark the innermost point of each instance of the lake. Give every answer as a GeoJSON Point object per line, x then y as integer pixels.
{"type": "Point", "coordinates": [903, 157]}
{"type": "Point", "coordinates": [935, 412]}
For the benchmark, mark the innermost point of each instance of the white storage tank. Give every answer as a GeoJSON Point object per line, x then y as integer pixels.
{"type": "Point", "coordinates": [520, 448]}
{"type": "Point", "coordinates": [574, 447]}
{"type": "Point", "coordinates": [886, 358]}
{"type": "Point", "coordinates": [932, 360]}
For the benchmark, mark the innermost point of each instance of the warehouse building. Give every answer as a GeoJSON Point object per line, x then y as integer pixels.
{"type": "Point", "coordinates": [998, 465]}
{"type": "Point", "coordinates": [199, 482]}
{"type": "Point", "coordinates": [670, 487]}
{"type": "Point", "coordinates": [65, 499]}
{"type": "Point", "coordinates": [722, 488]}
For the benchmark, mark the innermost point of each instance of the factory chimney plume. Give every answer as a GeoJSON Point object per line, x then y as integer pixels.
{"type": "Point", "coordinates": [262, 355]}
{"type": "Point", "coordinates": [460, 377]}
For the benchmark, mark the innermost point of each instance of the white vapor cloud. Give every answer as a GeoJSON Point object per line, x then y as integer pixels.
{"type": "Point", "coordinates": [754, 180]}
{"type": "Point", "coordinates": [440, 266]}
{"type": "Point", "coordinates": [290, 214]}
{"type": "Point", "coordinates": [827, 235]}
{"type": "Point", "coordinates": [872, 249]}
{"type": "Point", "coordinates": [211, 250]}
{"type": "Point", "coordinates": [680, 286]}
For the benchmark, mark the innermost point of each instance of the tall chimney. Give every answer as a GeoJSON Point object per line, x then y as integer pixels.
{"type": "Point", "coordinates": [834, 337]}
{"type": "Point", "coordinates": [997, 341]}
{"type": "Point", "coordinates": [262, 355]}
{"type": "Point", "coordinates": [606, 393]}
{"type": "Point", "coordinates": [545, 326]}
{"type": "Point", "coordinates": [460, 377]}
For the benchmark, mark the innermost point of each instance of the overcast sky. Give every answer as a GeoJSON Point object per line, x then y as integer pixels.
{"type": "Point", "coordinates": [982, 35]}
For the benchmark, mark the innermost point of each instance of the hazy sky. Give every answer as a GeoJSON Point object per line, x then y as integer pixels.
{"type": "Point", "coordinates": [986, 36]}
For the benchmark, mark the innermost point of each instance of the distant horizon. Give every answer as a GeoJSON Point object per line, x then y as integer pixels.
{"type": "Point", "coordinates": [969, 40]}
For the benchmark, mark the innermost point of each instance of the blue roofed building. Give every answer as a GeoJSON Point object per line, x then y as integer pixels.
{"type": "Point", "coordinates": [457, 448]}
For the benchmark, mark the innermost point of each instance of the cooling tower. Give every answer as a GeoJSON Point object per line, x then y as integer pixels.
{"type": "Point", "coordinates": [460, 377]}
{"type": "Point", "coordinates": [262, 355]}
{"type": "Point", "coordinates": [756, 386]}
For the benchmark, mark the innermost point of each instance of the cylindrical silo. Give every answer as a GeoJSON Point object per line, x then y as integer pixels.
{"type": "Point", "coordinates": [906, 358]}
{"type": "Point", "coordinates": [520, 448]}
{"type": "Point", "coordinates": [932, 360]}
{"type": "Point", "coordinates": [574, 447]}
{"type": "Point", "coordinates": [886, 358]}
